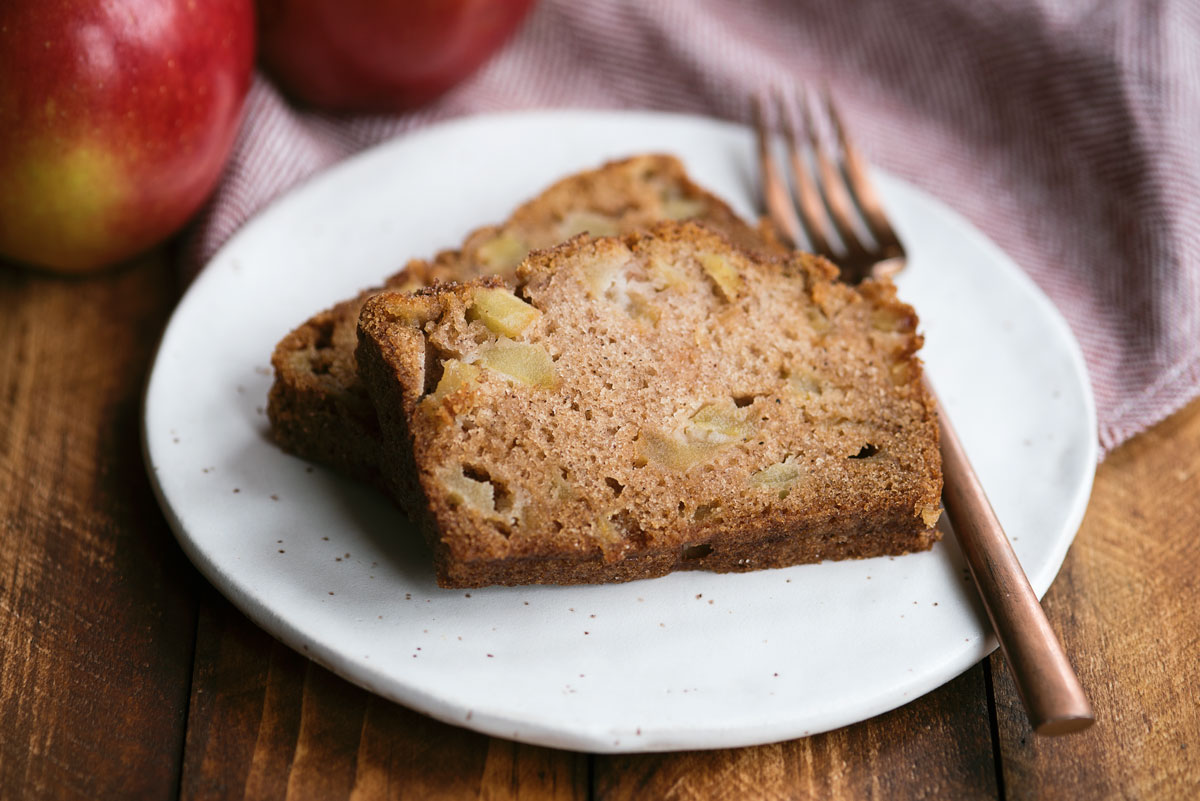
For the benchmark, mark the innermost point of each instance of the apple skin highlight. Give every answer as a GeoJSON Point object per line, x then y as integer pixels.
{"type": "Point", "coordinates": [115, 122]}
{"type": "Point", "coordinates": [373, 56]}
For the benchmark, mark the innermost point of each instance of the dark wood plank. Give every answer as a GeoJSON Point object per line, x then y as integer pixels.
{"type": "Point", "coordinates": [96, 622]}
{"type": "Point", "coordinates": [1127, 607]}
{"type": "Point", "coordinates": [266, 723]}
{"type": "Point", "coordinates": [938, 746]}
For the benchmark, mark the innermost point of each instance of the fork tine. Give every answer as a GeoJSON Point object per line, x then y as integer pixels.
{"type": "Point", "coordinates": [861, 188]}
{"type": "Point", "coordinates": [838, 197]}
{"type": "Point", "coordinates": [833, 189]}
{"type": "Point", "coordinates": [775, 192]}
{"type": "Point", "coordinates": [808, 198]}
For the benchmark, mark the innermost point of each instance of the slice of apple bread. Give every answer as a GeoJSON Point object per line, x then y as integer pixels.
{"type": "Point", "coordinates": [317, 406]}
{"type": "Point", "coordinates": [650, 403]}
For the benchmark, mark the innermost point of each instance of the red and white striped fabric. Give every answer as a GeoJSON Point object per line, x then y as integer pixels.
{"type": "Point", "coordinates": [1066, 131]}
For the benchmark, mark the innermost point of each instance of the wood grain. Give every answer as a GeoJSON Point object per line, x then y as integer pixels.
{"type": "Point", "coordinates": [96, 620]}
{"type": "Point", "coordinates": [1127, 607]}
{"type": "Point", "coordinates": [100, 644]}
{"type": "Point", "coordinates": [938, 746]}
{"type": "Point", "coordinates": [266, 723]}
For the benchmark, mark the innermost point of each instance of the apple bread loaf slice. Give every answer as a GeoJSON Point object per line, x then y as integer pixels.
{"type": "Point", "coordinates": [650, 403]}
{"type": "Point", "coordinates": [318, 408]}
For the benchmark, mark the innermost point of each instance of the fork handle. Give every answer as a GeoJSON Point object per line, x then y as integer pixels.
{"type": "Point", "coordinates": [1049, 689]}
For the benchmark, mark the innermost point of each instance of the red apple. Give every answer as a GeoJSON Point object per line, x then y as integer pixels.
{"type": "Point", "coordinates": [380, 55]}
{"type": "Point", "coordinates": [115, 121]}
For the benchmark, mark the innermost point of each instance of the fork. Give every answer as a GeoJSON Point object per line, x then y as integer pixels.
{"type": "Point", "coordinates": [834, 204]}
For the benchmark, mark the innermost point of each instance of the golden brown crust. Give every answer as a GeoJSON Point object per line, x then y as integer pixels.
{"type": "Point", "coordinates": [317, 405]}
{"type": "Point", "coordinates": [657, 402]}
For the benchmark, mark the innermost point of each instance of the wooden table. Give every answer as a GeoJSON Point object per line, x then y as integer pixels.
{"type": "Point", "coordinates": [123, 674]}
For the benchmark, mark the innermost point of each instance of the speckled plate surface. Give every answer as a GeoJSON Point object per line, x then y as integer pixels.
{"type": "Point", "coordinates": [692, 660]}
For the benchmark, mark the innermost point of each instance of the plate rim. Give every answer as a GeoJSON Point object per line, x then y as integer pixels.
{"type": "Point", "coordinates": [534, 732]}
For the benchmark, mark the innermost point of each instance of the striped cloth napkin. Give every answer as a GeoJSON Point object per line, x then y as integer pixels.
{"type": "Point", "coordinates": [1066, 131]}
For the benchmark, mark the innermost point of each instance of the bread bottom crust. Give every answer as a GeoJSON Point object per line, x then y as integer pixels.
{"type": "Point", "coordinates": [725, 552]}
{"type": "Point", "coordinates": [321, 427]}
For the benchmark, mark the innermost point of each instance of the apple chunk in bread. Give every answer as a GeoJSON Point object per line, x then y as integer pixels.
{"type": "Point", "coordinates": [603, 439]}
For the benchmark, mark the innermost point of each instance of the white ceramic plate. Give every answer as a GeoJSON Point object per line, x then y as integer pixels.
{"type": "Point", "coordinates": [692, 660]}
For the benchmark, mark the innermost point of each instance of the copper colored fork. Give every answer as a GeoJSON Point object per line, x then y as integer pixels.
{"type": "Point", "coordinates": [836, 210]}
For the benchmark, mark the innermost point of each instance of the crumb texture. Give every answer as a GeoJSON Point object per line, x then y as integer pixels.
{"type": "Point", "coordinates": [318, 407]}
{"type": "Point", "coordinates": [654, 402]}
